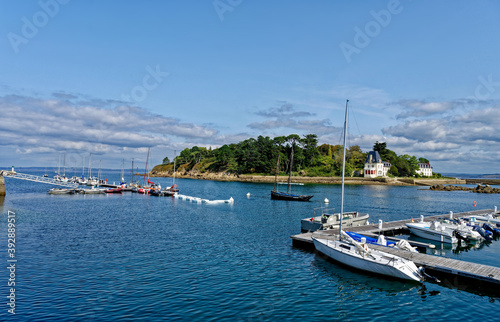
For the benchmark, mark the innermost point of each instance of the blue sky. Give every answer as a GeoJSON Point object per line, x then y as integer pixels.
{"type": "Point", "coordinates": [113, 78]}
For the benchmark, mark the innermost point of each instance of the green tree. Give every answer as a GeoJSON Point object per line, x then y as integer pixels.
{"type": "Point", "coordinates": [166, 160]}
{"type": "Point", "coordinates": [310, 144]}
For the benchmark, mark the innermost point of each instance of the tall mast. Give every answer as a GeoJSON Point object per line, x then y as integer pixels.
{"type": "Point", "coordinates": [146, 170]}
{"type": "Point", "coordinates": [276, 175]}
{"type": "Point", "coordinates": [83, 166]}
{"type": "Point", "coordinates": [123, 170]}
{"type": "Point", "coordinates": [290, 172]}
{"type": "Point", "coordinates": [132, 172]}
{"type": "Point", "coordinates": [343, 172]}
{"type": "Point", "coordinates": [175, 155]}
{"type": "Point", "coordinates": [90, 165]}
{"type": "Point", "coordinates": [99, 173]}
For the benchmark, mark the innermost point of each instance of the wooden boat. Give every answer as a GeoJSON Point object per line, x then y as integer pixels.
{"type": "Point", "coordinates": [347, 251]}
{"type": "Point", "coordinates": [277, 195]}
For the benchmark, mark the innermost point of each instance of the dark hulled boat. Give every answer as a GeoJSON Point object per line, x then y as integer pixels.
{"type": "Point", "coordinates": [276, 195]}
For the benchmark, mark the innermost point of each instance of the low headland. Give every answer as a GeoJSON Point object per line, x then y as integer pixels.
{"type": "Point", "coordinates": [224, 176]}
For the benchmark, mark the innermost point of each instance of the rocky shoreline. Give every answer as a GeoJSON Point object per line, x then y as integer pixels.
{"type": "Point", "coordinates": [478, 189]}
{"type": "Point", "coordinates": [223, 176]}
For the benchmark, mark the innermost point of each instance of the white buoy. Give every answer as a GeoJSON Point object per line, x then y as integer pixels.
{"type": "Point", "coordinates": [248, 194]}
{"type": "Point", "coordinates": [326, 200]}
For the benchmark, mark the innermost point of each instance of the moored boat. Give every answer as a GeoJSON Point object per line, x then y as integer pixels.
{"type": "Point", "coordinates": [114, 190]}
{"type": "Point", "coordinates": [344, 249]}
{"type": "Point", "coordinates": [61, 191]}
{"type": "Point", "coordinates": [330, 220]}
{"type": "Point", "coordinates": [276, 195]}
{"type": "Point", "coordinates": [433, 231]}
{"type": "Point", "coordinates": [351, 253]}
{"type": "Point", "coordinates": [92, 190]}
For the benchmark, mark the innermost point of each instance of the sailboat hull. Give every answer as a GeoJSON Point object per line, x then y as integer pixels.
{"type": "Point", "coordinates": [276, 195]}
{"type": "Point", "coordinates": [379, 262]}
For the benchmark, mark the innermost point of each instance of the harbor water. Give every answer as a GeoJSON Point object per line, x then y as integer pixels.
{"type": "Point", "coordinates": [130, 256]}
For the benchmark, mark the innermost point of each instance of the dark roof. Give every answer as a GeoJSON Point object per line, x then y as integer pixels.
{"type": "Point", "coordinates": [374, 156]}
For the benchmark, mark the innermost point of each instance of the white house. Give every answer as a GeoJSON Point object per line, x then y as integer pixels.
{"type": "Point", "coordinates": [374, 166]}
{"type": "Point", "coordinates": [424, 169]}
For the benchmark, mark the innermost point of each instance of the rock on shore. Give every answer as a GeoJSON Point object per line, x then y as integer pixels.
{"type": "Point", "coordinates": [478, 189]}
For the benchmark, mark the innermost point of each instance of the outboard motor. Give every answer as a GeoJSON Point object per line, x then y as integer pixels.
{"type": "Point", "coordinates": [459, 236]}
{"type": "Point", "coordinates": [484, 233]}
{"type": "Point", "coordinates": [488, 227]}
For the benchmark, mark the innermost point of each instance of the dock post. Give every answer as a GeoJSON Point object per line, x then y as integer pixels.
{"type": "Point", "coordinates": [2, 186]}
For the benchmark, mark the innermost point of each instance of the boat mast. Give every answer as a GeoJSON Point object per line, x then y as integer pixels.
{"type": "Point", "coordinates": [276, 175]}
{"type": "Point", "coordinates": [290, 172]}
{"type": "Point", "coordinates": [123, 170]}
{"type": "Point", "coordinates": [90, 166]}
{"type": "Point", "coordinates": [343, 173]}
{"type": "Point", "coordinates": [83, 166]}
{"type": "Point", "coordinates": [175, 156]}
{"type": "Point", "coordinates": [146, 170]}
{"type": "Point", "coordinates": [99, 173]}
{"type": "Point", "coordinates": [132, 172]}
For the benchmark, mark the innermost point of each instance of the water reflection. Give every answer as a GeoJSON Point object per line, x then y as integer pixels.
{"type": "Point", "coordinates": [445, 249]}
{"type": "Point", "coordinates": [361, 280]}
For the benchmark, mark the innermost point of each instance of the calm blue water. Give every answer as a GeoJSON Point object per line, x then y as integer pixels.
{"type": "Point", "coordinates": [130, 256]}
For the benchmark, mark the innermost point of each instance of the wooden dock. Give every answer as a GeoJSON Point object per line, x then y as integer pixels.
{"type": "Point", "coordinates": [439, 266]}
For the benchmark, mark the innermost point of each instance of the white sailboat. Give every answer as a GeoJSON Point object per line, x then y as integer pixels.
{"type": "Point", "coordinates": [349, 252]}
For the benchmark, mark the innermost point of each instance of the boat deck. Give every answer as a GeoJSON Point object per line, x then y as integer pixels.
{"type": "Point", "coordinates": [441, 266]}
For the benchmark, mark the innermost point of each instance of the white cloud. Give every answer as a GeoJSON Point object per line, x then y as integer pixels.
{"type": "Point", "coordinates": [34, 125]}
{"type": "Point", "coordinates": [416, 108]}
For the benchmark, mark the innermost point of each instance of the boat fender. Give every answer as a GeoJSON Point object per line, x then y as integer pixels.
{"type": "Point", "coordinates": [363, 243]}
{"type": "Point", "coordinates": [381, 240]}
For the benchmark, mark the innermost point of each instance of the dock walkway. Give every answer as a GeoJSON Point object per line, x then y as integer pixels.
{"type": "Point", "coordinates": [446, 266]}
{"type": "Point", "coordinates": [30, 177]}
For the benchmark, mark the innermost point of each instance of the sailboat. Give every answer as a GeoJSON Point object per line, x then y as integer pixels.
{"type": "Point", "coordinates": [346, 250]}
{"type": "Point", "coordinates": [277, 195]}
{"type": "Point", "coordinates": [170, 191]}
{"type": "Point", "coordinates": [146, 189]}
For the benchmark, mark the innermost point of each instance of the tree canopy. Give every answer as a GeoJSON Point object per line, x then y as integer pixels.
{"type": "Point", "coordinates": [260, 156]}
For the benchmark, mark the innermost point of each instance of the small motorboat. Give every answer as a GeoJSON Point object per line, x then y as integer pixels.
{"type": "Point", "coordinates": [114, 190]}
{"type": "Point", "coordinates": [60, 191]}
{"type": "Point", "coordinates": [92, 191]}
{"type": "Point", "coordinates": [330, 220]}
